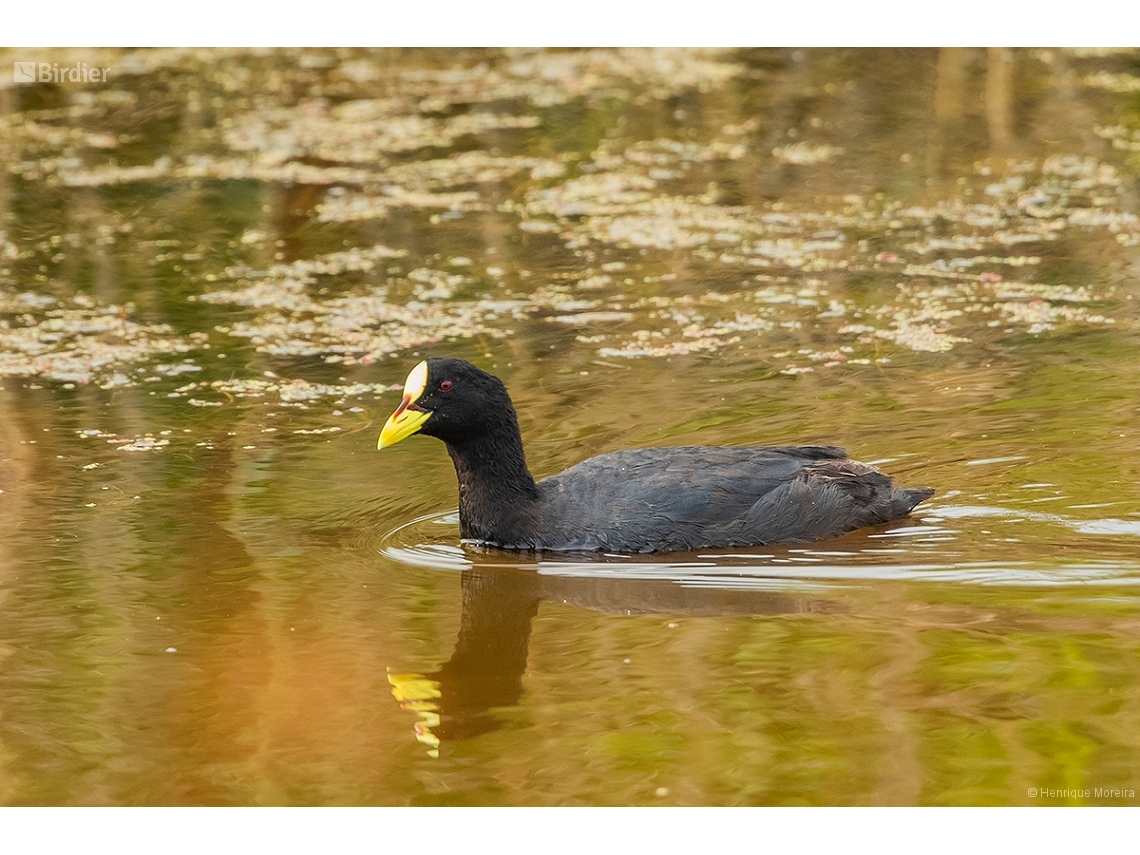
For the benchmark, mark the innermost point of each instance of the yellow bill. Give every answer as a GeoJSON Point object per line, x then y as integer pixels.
{"type": "Point", "coordinates": [407, 419]}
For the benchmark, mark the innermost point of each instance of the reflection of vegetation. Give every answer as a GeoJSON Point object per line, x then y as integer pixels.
{"type": "Point", "coordinates": [923, 255]}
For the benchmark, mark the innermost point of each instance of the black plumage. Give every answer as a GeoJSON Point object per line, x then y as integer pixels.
{"type": "Point", "coordinates": [643, 500]}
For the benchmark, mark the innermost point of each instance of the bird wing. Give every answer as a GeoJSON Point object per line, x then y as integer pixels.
{"type": "Point", "coordinates": [668, 499]}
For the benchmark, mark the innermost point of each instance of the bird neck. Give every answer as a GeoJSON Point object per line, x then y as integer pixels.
{"type": "Point", "coordinates": [498, 499]}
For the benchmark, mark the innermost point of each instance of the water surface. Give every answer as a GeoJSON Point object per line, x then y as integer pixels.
{"type": "Point", "coordinates": [217, 268]}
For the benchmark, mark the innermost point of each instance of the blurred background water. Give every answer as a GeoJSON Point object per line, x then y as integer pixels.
{"type": "Point", "coordinates": [217, 267]}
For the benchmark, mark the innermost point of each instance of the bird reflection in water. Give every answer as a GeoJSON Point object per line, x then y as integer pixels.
{"type": "Point", "coordinates": [485, 671]}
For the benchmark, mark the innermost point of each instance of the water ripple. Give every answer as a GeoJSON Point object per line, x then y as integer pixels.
{"type": "Point", "coordinates": [431, 541]}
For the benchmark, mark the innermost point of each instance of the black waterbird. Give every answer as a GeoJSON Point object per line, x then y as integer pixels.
{"type": "Point", "coordinates": [642, 500]}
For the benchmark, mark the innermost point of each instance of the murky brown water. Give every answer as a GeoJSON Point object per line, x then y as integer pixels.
{"type": "Point", "coordinates": [214, 590]}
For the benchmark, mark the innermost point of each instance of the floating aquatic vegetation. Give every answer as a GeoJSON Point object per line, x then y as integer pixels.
{"type": "Point", "coordinates": [1039, 315]}
{"type": "Point", "coordinates": [78, 341]}
{"type": "Point", "coordinates": [203, 166]}
{"type": "Point", "coordinates": [59, 136]}
{"type": "Point", "coordinates": [549, 78]}
{"type": "Point", "coordinates": [621, 204]}
{"type": "Point", "coordinates": [654, 343]}
{"type": "Point", "coordinates": [93, 432]}
{"type": "Point", "coordinates": [806, 154]}
{"type": "Point", "coordinates": [143, 443]}
{"type": "Point", "coordinates": [176, 368]}
{"type": "Point", "coordinates": [1120, 136]}
{"type": "Point", "coordinates": [594, 317]}
{"type": "Point", "coordinates": [139, 442]}
{"type": "Point", "coordinates": [1113, 82]}
{"type": "Point", "coordinates": [72, 172]}
{"type": "Point", "coordinates": [350, 207]}
{"type": "Point", "coordinates": [561, 298]}
{"type": "Point", "coordinates": [688, 328]}
{"type": "Point", "coordinates": [364, 328]}
{"type": "Point", "coordinates": [357, 132]}
{"type": "Point", "coordinates": [922, 318]}
{"type": "Point", "coordinates": [933, 318]}
{"type": "Point", "coordinates": [288, 392]}
{"type": "Point", "coordinates": [359, 327]}
{"type": "Point", "coordinates": [669, 158]}
{"type": "Point", "coordinates": [420, 185]}
{"type": "Point", "coordinates": [8, 251]}
{"type": "Point", "coordinates": [593, 194]}
{"type": "Point", "coordinates": [539, 226]}
{"type": "Point", "coordinates": [436, 284]}
{"type": "Point", "coordinates": [383, 139]}
{"type": "Point", "coordinates": [283, 286]}
{"type": "Point", "coordinates": [915, 335]}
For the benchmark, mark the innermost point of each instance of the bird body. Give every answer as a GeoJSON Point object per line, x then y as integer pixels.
{"type": "Point", "coordinates": [641, 500]}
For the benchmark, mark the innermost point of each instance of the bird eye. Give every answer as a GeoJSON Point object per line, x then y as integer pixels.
{"type": "Point", "coordinates": [445, 386]}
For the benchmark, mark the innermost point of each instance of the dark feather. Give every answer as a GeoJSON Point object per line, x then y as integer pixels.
{"type": "Point", "coordinates": [644, 500]}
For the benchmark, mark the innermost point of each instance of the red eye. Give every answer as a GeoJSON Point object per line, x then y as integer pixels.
{"type": "Point", "coordinates": [445, 386]}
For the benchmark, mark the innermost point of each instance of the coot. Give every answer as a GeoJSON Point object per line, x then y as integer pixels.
{"type": "Point", "coordinates": [643, 500]}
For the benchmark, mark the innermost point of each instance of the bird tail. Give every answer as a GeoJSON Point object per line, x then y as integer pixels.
{"type": "Point", "coordinates": [904, 500]}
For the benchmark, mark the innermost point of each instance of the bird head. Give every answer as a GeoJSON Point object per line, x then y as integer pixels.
{"type": "Point", "coordinates": [449, 399]}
